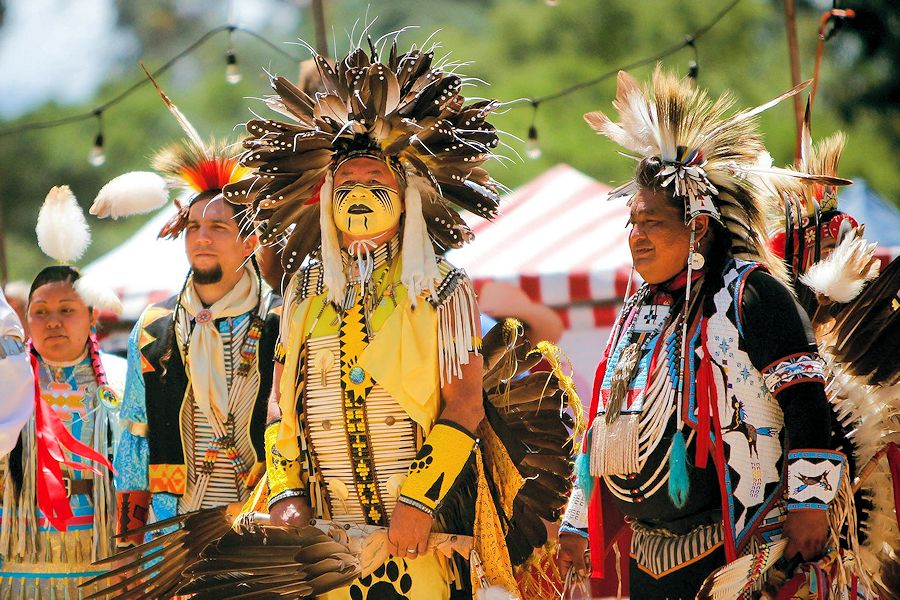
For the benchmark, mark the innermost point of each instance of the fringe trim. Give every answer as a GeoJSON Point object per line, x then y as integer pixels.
{"type": "Point", "coordinates": [614, 446]}
{"type": "Point", "coordinates": [20, 540]}
{"type": "Point", "coordinates": [458, 331]}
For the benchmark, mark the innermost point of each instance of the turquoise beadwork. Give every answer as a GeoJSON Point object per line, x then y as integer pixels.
{"type": "Point", "coordinates": [357, 375]}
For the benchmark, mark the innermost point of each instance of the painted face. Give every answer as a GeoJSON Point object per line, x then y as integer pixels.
{"type": "Point", "coordinates": [365, 201]}
{"type": "Point", "coordinates": [59, 322]}
{"type": "Point", "coordinates": [659, 239]}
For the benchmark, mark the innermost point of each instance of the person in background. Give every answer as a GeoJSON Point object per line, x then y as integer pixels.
{"type": "Point", "coordinates": [17, 297]}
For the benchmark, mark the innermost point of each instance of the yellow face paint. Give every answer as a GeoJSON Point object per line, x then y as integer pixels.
{"type": "Point", "coordinates": [363, 210]}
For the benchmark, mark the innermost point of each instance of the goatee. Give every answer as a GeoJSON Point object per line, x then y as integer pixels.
{"type": "Point", "coordinates": [208, 276]}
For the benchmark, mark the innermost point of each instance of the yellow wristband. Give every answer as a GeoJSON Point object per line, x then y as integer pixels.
{"type": "Point", "coordinates": [437, 466]}
{"type": "Point", "coordinates": [285, 476]}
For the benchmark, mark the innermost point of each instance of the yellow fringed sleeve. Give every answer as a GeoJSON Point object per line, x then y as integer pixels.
{"type": "Point", "coordinates": [285, 475]}
{"type": "Point", "coordinates": [438, 464]}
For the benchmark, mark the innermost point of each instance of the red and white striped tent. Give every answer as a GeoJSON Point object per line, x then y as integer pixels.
{"type": "Point", "coordinates": [566, 246]}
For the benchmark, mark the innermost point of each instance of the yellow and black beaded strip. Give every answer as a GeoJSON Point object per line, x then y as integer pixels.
{"type": "Point", "coordinates": [356, 385]}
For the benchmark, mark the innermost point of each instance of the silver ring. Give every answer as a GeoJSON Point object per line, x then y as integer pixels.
{"type": "Point", "coordinates": [412, 550]}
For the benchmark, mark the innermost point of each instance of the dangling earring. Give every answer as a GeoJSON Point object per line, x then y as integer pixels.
{"type": "Point", "coordinates": [696, 259]}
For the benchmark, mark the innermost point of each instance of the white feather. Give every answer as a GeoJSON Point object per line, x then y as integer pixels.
{"type": "Point", "coordinates": [843, 274]}
{"type": "Point", "coordinates": [98, 295]}
{"type": "Point", "coordinates": [133, 193]}
{"type": "Point", "coordinates": [62, 231]}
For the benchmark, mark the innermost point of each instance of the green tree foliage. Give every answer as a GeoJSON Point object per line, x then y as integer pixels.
{"type": "Point", "coordinates": [524, 48]}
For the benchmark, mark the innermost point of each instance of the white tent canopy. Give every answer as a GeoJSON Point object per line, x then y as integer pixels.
{"type": "Point", "coordinates": [144, 269]}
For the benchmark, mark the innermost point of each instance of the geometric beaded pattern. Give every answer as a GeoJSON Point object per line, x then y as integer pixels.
{"type": "Point", "coordinates": [796, 368]}
{"type": "Point", "coordinates": [356, 384]}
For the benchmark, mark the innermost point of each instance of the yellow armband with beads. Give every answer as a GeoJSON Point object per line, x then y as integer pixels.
{"type": "Point", "coordinates": [285, 476]}
{"type": "Point", "coordinates": [437, 466]}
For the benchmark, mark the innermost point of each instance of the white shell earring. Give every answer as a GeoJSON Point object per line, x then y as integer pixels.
{"type": "Point", "coordinates": [697, 261]}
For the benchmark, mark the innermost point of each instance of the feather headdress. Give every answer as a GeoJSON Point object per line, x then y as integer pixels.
{"type": "Point", "coordinates": [710, 156]}
{"type": "Point", "coordinates": [811, 215]}
{"type": "Point", "coordinates": [193, 167]}
{"type": "Point", "coordinates": [403, 110]}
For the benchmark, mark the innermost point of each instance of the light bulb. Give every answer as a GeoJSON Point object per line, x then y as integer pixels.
{"type": "Point", "coordinates": [532, 149]}
{"type": "Point", "coordinates": [232, 74]}
{"type": "Point", "coordinates": [693, 70]}
{"type": "Point", "coordinates": [96, 156]}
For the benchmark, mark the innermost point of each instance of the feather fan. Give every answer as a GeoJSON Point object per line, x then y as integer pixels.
{"type": "Point", "coordinates": [62, 231]}
{"type": "Point", "coordinates": [842, 275]}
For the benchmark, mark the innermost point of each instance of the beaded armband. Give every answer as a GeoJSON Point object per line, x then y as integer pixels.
{"type": "Point", "coordinates": [436, 467]}
{"type": "Point", "coordinates": [284, 475]}
{"type": "Point", "coordinates": [791, 370]}
{"type": "Point", "coordinates": [575, 520]}
{"type": "Point", "coordinates": [814, 478]}
{"type": "Point", "coordinates": [132, 510]}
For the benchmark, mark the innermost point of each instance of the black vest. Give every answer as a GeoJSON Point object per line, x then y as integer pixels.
{"type": "Point", "coordinates": [166, 385]}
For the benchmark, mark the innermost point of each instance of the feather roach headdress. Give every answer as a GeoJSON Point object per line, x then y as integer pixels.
{"type": "Point", "coordinates": [193, 167]}
{"type": "Point", "coordinates": [810, 207]}
{"type": "Point", "coordinates": [710, 157]}
{"type": "Point", "coordinates": [402, 110]}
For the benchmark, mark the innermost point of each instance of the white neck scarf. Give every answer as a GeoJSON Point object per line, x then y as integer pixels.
{"type": "Point", "coordinates": [206, 352]}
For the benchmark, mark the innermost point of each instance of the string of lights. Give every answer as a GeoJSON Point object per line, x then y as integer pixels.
{"type": "Point", "coordinates": [233, 76]}
{"type": "Point", "coordinates": [533, 149]}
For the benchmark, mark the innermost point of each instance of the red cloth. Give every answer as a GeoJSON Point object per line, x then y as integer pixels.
{"type": "Point", "coordinates": [893, 456]}
{"type": "Point", "coordinates": [52, 439]}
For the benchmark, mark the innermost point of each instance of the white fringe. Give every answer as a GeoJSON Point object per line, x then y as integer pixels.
{"type": "Point", "coordinates": [614, 446]}
{"type": "Point", "coordinates": [420, 270]}
{"type": "Point", "coordinates": [332, 264]}
{"type": "Point", "coordinates": [843, 274]}
{"type": "Point", "coordinates": [62, 231]}
{"type": "Point", "coordinates": [104, 497]}
{"type": "Point", "coordinates": [458, 331]}
{"type": "Point", "coordinates": [134, 193]}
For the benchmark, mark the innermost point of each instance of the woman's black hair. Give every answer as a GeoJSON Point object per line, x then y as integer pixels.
{"type": "Point", "coordinates": [53, 274]}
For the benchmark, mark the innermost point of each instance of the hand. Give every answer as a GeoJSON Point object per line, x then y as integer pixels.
{"type": "Point", "coordinates": [571, 553]}
{"type": "Point", "coordinates": [807, 533]}
{"type": "Point", "coordinates": [293, 511]}
{"type": "Point", "coordinates": [409, 531]}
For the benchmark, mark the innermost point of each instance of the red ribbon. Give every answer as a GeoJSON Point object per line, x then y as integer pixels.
{"type": "Point", "coordinates": [893, 457]}
{"type": "Point", "coordinates": [706, 395]}
{"type": "Point", "coordinates": [53, 439]}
